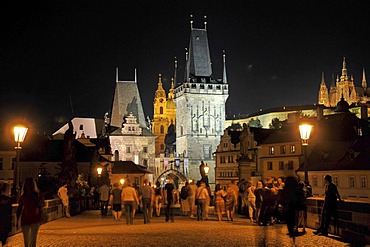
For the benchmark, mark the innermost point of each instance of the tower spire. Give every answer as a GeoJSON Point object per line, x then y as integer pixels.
{"type": "Point", "coordinates": [224, 77]}
{"type": "Point", "coordinates": [135, 75]}
{"type": "Point", "coordinates": [364, 84]}
{"type": "Point", "coordinates": [205, 22]}
{"type": "Point", "coordinates": [332, 79]}
{"type": "Point", "coordinates": [344, 75]}
{"type": "Point", "coordinates": [187, 64]}
{"type": "Point", "coordinates": [322, 78]}
{"type": "Point", "coordinates": [116, 74]}
{"type": "Point", "coordinates": [191, 21]}
{"type": "Point", "coordinates": [175, 72]}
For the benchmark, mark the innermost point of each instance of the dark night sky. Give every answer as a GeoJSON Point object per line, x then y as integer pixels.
{"type": "Point", "coordinates": [276, 51]}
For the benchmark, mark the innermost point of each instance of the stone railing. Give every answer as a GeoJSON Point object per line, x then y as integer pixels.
{"type": "Point", "coordinates": [53, 210]}
{"type": "Point", "coordinates": [353, 221]}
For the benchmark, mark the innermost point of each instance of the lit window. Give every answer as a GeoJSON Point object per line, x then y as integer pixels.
{"type": "Point", "coordinates": [290, 165]}
{"type": "Point", "coordinates": [269, 165]}
{"type": "Point", "coordinates": [282, 149]}
{"type": "Point", "coordinates": [281, 165]}
{"type": "Point", "coordinates": [222, 159]}
{"type": "Point", "coordinates": [207, 151]}
{"type": "Point", "coordinates": [314, 181]}
{"type": "Point", "coordinates": [231, 159]}
{"type": "Point", "coordinates": [271, 150]}
{"type": "Point", "coordinates": [351, 182]}
{"type": "Point", "coordinates": [225, 144]}
{"type": "Point", "coordinates": [363, 182]}
{"type": "Point", "coordinates": [292, 149]}
{"type": "Point", "coordinates": [335, 180]}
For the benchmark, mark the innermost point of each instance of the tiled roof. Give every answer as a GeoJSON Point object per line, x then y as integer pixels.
{"type": "Point", "coordinates": [128, 167]}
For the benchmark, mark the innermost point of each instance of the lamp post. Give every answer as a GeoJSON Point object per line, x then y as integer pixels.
{"type": "Point", "coordinates": [19, 135]}
{"type": "Point", "coordinates": [99, 170]}
{"type": "Point", "coordinates": [206, 170]}
{"type": "Point", "coordinates": [305, 132]}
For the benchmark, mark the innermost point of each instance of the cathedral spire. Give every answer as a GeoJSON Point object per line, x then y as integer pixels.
{"type": "Point", "coordinates": [344, 76]}
{"type": "Point", "coordinates": [135, 75]}
{"type": "Point", "coordinates": [322, 78]}
{"type": "Point", "coordinates": [205, 22]}
{"type": "Point", "coordinates": [172, 89]}
{"type": "Point", "coordinates": [224, 76]}
{"type": "Point", "coordinates": [364, 84]}
{"type": "Point", "coordinates": [191, 21]}
{"type": "Point", "coordinates": [160, 93]}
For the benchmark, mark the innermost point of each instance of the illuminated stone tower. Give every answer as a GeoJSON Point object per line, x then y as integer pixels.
{"type": "Point", "coordinates": [164, 114]}
{"type": "Point", "coordinates": [323, 93]}
{"type": "Point", "coordinates": [200, 106]}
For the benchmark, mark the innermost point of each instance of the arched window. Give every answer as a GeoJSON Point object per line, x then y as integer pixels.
{"type": "Point", "coordinates": [162, 129]}
{"type": "Point", "coordinates": [116, 155]}
{"type": "Point", "coordinates": [161, 110]}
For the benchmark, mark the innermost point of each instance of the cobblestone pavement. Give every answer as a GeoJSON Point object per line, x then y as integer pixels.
{"type": "Point", "coordinates": [90, 229]}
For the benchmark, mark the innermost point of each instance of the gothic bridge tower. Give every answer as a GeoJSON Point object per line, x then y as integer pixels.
{"type": "Point", "coordinates": [200, 106]}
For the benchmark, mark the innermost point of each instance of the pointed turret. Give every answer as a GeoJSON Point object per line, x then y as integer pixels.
{"type": "Point", "coordinates": [160, 93]}
{"type": "Point", "coordinates": [224, 76]}
{"type": "Point", "coordinates": [332, 80]}
{"type": "Point", "coordinates": [322, 79]}
{"type": "Point", "coordinates": [172, 89]}
{"type": "Point", "coordinates": [175, 72]}
{"type": "Point", "coordinates": [344, 76]}
{"type": "Point", "coordinates": [364, 84]}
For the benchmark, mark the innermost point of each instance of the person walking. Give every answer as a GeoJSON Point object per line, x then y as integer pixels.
{"type": "Point", "coordinates": [169, 188]}
{"type": "Point", "coordinates": [158, 198]}
{"type": "Point", "coordinates": [300, 207]}
{"type": "Point", "coordinates": [184, 194]}
{"type": "Point", "coordinates": [330, 207]}
{"type": "Point", "coordinates": [29, 211]}
{"type": "Point", "coordinates": [235, 188]}
{"type": "Point", "coordinates": [251, 202]}
{"type": "Point", "coordinates": [202, 196]}
{"type": "Point", "coordinates": [116, 202]}
{"type": "Point", "coordinates": [129, 198]}
{"type": "Point", "coordinates": [104, 197]}
{"type": "Point", "coordinates": [146, 199]}
{"type": "Point", "coordinates": [63, 195]}
{"type": "Point", "coordinates": [191, 199]}
{"type": "Point", "coordinates": [289, 199]}
{"type": "Point", "coordinates": [258, 192]}
{"type": "Point", "coordinates": [219, 201]}
{"type": "Point", "coordinates": [230, 201]}
{"type": "Point", "coordinates": [5, 214]}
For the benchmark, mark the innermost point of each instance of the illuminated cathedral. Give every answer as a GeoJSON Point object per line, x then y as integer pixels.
{"type": "Point", "coordinates": [344, 86]}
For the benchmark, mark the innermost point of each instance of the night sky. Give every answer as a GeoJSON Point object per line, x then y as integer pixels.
{"type": "Point", "coordinates": [59, 56]}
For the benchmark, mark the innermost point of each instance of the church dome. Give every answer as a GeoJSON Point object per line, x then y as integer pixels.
{"type": "Point", "coordinates": [170, 104]}
{"type": "Point", "coordinates": [342, 106]}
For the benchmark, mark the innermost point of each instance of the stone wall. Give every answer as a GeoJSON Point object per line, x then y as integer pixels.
{"type": "Point", "coordinates": [53, 210]}
{"type": "Point", "coordinates": [353, 221]}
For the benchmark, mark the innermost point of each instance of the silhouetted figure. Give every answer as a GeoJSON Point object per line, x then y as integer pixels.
{"type": "Point", "coordinates": [289, 198]}
{"type": "Point", "coordinates": [5, 214]}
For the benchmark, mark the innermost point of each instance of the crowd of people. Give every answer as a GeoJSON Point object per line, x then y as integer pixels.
{"type": "Point", "coordinates": [266, 203]}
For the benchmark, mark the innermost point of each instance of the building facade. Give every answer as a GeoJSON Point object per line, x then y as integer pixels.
{"type": "Point", "coordinates": [200, 106]}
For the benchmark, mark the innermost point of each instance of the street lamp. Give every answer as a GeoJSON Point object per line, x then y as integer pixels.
{"type": "Point", "coordinates": [122, 181]}
{"type": "Point", "coordinates": [305, 132]}
{"type": "Point", "coordinates": [19, 135]}
{"type": "Point", "coordinates": [206, 169]}
{"type": "Point", "coordinates": [99, 170]}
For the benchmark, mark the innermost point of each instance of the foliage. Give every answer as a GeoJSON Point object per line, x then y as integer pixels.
{"type": "Point", "coordinates": [255, 123]}
{"type": "Point", "coordinates": [82, 185]}
{"type": "Point", "coordinates": [275, 124]}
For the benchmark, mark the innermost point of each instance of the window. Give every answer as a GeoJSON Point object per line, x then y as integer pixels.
{"type": "Point", "coordinates": [231, 159]}
{"type": "Point", "coordinates": [116, 155]}
{"type": "Point", "coordinates": [335, 180]}
{"type": "Point", "coordinates": [269, 165]}
{"type": "Point", "coordinates": [314, 181]}
{"type": "Point", "coordinates": [225, 144]}
{"type": "Point", "coordinates": [351, 181]}
{"type": "Point", "coordinates": [182, 130]}
{"type": "Point", "coordinates": [292, 149]}
{"type": "Point", "coordinates": [162, 129]}
{"type": "Point", "coordinates": [271, 150]}
{"type": "Point", "coordinates": [282, 149]}
{"type": "Point", "coordinates": [1, 164]}
{"type": "Point", "coordinates": [363, 182]}
{"type": "Point", "coordinates": [290, 165]}
{"type": "Point", "coordinates": [281, 165]}
{"type": "Point", "coordinates": [145, 150]}
{"type": "Point", "coordinates": [222, 159]}
{"type": "Point", "coordinates": [162, 146]}
{"type": "Point", "coordinates": [161, 110]}
{"type": "Point", "coordinates": [145, 162]}
{"type": "Point", "coordinates": [207, 151]}
{"type": "Point", "coordinates": [128, 149]}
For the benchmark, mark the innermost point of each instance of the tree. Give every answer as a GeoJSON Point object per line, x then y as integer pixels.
{"type": "Point", "coordinates": [275, 124]}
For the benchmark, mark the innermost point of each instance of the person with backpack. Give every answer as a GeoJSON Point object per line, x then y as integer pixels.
{"type": "Point", "coordinates": [184, 194]}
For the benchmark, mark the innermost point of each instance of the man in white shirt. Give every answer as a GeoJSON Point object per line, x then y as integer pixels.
{"type": "Point", "coordinates": [63, 195]}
